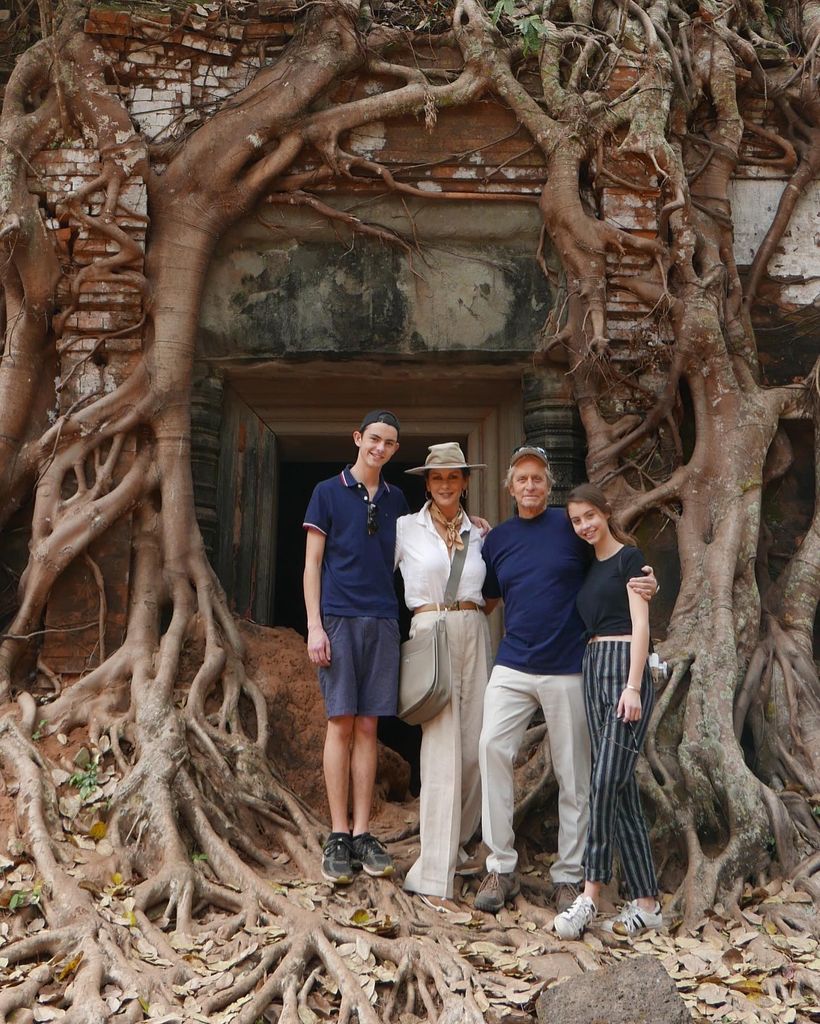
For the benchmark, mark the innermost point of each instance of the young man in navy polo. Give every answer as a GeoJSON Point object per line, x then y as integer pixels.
{"type": "Point", "coordinates": [353, 635]}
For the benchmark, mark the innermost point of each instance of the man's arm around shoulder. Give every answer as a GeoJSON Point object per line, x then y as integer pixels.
{"type": "Point", "coordinates": [645, 586]}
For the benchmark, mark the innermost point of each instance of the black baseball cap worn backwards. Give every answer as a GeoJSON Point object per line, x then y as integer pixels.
{"type": "Point", "coordinates": [380, 416]}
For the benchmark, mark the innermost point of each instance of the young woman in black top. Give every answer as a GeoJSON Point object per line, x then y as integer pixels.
{"type": "Point", "coordinates": [618, 698]}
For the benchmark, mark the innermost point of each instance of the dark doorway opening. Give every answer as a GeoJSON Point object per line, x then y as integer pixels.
{"type": "Point", "coordinates": [296, 483]}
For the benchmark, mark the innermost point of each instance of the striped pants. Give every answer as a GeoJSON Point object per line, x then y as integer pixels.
{"type": "Point", "coordinates": [616, 818]}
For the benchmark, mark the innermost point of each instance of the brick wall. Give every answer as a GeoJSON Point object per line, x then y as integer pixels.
{"type": "Point", "coordinates": [100, 344]}
{"type": "Point", "coordinates": [172, 75]}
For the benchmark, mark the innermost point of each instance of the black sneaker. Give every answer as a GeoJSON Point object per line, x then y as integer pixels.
{"type": "Point", "coordinates": [336, 866]}
{"type": "Point", "coordinates": [371, 855]}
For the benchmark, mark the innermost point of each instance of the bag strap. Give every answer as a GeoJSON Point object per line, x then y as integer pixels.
{"type": "Point", "coordinates": [456, 567]}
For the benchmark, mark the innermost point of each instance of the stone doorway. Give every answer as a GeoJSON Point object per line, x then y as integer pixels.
{"type": "Point", "coordinates": [284, 425]}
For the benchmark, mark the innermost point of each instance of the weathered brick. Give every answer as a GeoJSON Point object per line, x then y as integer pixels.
{"type": "Point", "coordinates": [76, 346]}
{"type": "Point", "coordinates": [270, 30]}
{"type": "Point", "coordinates": [87, 378]}
{"type": "Point", "coordinates": [622, 328]}
{"type": "Point", "coordinates": [148, 106]}
{"type": "Point", "coordinates": [119, 369]}
{"type": "Point", "coordinates": [165, 75]}
{"type": "Point", "coordinates": [197, 42]}
{"type": "Point", "coordinates": [142, 56]}
{"type": "Point", "coordinates": [181, 94]}
{"type": "Point", "coordinates": [630, 208]}
{"type": "Point", "coordinates": [175, 59]}
{"type": "Point", "coordinates": [217, 29]}
{"type": "Point", "coordinates": [66, 155]}
{"type": "Point", "coordinates": [96, 320]}
{"type": "Point", "coordinates": [620, 300]}
{"type": "Point", "coordinates": [116, 300]}
{"type": "Point", "coordinates": [623, 77]}
{"type": "Point", "coordinates": [74, 602]}
{"type": "Point", "coordinates": [87, 250]}
{"type": "Point", "coordinates": [629, 262]}
{"type": "Point", "coordinates": [117, 345]}
{"type": "Point", "coordinates": [158, 17]}
{"type": "Point", "coordinates": [59, 197]}
{"type": "Point", "coordinates": [135, 198]}
{"type": "Point", "coordinates": [114, 23]}
{"type": "Point", "coordinates": [157, 33]}
{"type": "Point", "coordinates": [154, 62]}
{"type": "Point", "coordinates": [111, 291]}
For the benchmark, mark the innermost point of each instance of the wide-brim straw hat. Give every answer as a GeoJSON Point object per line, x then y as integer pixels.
{"type": "Point", "coordinates": [447, 455]}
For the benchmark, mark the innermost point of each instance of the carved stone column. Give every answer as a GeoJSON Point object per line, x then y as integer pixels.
{"type": "Point", "coordinates": [551, 421]}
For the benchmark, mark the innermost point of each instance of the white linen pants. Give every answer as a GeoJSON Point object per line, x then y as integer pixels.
{"type": "Point", "coordinates": [450, 804]}
{"type": "Point", "coordinates": [509, 702]}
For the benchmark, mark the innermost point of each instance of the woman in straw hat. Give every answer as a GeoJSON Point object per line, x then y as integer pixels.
{"type": "Point", "coordinates": [426, 542]}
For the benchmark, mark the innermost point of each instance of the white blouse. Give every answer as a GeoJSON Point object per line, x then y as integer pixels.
{"type": "Point", "coordinates": [422, 556]}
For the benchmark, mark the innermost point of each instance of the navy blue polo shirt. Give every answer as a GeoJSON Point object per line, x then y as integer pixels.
{"type": "Point", "coordinates": [538, 566]}
{"type": "Point", "coordinates": [357, 569]}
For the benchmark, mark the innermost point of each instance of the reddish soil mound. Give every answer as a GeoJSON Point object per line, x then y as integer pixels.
{"type": "Point", "coordinates": [277, 661]}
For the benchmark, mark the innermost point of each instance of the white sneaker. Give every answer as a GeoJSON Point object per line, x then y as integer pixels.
{"type": "Point", "coordinates": [634, 919]}
{"type": "Point", "coordinates": [570, 923]}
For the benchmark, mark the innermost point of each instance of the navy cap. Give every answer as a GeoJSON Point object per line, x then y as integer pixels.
{"type": "Point", "coordinates": [380, 416]}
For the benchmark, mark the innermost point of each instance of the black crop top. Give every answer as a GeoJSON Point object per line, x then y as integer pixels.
{"type": "Point", "coordinates": [602, 600]}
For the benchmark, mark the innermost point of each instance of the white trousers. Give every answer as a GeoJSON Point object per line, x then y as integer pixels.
{"type": "Point", "coordinates": [509, 703]}
{"type": "Point", "coordinates": [450, 804]}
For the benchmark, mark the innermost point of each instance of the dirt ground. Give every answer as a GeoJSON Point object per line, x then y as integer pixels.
{"type": "Point", "coordinates": [753, 964]}
{"type": "Point", "coordinates": [732, 967]}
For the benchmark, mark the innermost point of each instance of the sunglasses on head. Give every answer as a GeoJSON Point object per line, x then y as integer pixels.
{"type": "Point", "coordinates": [530, 447]}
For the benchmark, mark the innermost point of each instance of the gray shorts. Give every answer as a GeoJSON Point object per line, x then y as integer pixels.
{"type": "Point", "coordinates": [363, 675]}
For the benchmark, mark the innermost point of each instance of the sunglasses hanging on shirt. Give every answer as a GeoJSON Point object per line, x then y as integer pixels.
{"type": "Point", "coordinates": [372, 520]}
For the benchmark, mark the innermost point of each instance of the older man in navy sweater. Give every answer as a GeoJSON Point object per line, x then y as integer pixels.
{"type": "Point", "coordinates": [536, 564]}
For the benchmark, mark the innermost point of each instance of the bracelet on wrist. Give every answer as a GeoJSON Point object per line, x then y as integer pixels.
{"type": "Point", "coordinates": [637, 689]}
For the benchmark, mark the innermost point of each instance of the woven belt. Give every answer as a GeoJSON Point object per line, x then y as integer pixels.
{"type": "Point", "coordinates": [456, 606]}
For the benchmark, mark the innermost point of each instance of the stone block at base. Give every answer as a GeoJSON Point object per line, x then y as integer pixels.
{"type": "Point", "coordinates": [635, 991]}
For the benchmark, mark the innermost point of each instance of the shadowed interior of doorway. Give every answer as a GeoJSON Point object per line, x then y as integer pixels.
{"type": "Point", "coordinates": [297, 480]}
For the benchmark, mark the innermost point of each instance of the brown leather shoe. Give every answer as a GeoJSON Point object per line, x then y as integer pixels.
{"type": "Point", "coordinates": [564, 895]}
{"type": "Point", "coordinates": [495, 890]}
